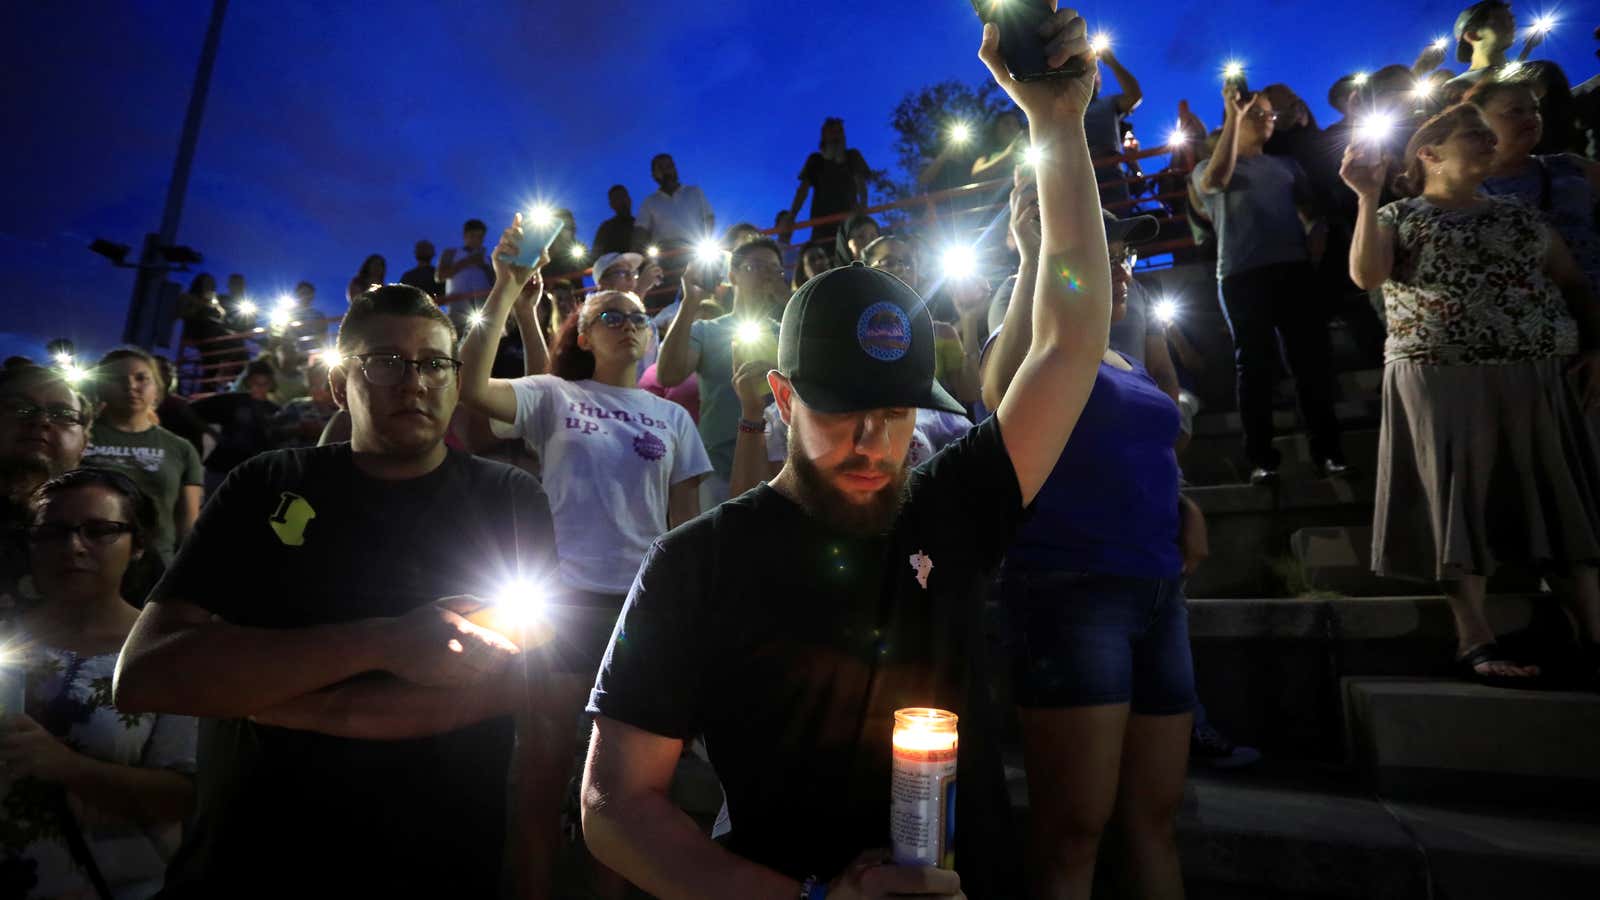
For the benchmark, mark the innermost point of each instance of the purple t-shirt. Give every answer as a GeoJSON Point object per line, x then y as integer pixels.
{"type": "Point", "coordinates": [1110, 506]}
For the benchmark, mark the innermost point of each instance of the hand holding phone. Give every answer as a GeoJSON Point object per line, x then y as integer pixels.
{"type": "Point", "coordinates": [1022, 45]}
{"type": "Point", "coordinates": [539, 230]}
{"type": "Point", "coordinates": [1054, 92]}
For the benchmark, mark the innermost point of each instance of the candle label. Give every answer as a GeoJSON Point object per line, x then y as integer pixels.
{"type": "Point", "coordinates": [922, 807]}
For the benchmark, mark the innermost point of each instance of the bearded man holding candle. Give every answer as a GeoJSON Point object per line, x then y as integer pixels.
{"type": "Point", "coordinates": [790, 624]}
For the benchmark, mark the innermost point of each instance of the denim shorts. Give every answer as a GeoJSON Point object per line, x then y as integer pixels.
{"type": "Point", "coordinates": [1083, 639]}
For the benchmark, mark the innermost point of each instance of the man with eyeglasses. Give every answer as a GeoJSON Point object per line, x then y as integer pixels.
{"type": "Point", "coordinates": [711, 347]}
{"type": "Point", "coordinates": [1269, 240]}
{"type": "Point", "coordinates": [358, 729]}
{"type": "Point", "coordinates": [43, 430]}
{"type": "Point", "coordinates": [893, 255]}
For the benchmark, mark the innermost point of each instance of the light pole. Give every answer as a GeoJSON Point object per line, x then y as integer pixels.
{"type": "Point", "coordinates": [151, 310]}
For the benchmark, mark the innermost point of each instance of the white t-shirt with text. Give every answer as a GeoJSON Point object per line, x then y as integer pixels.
{"type": "Point", "coordinates": [610, 456]}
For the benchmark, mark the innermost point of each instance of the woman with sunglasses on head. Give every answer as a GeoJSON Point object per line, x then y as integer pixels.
{"type": "Point", "coordinates": [620, 463]}
{"type": "Point", "coordinates": [71, 764]}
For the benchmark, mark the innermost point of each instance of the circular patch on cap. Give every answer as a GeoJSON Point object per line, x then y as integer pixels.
{"type": "Point", "coordinates": [884, 332]}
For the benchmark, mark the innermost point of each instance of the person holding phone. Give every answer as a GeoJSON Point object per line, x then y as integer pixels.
{"type": "Point", "coordinates": [1268, 241]}
{"type": "Point", "coordinates": [868, 599]}
{"type": "Point", "coordinates": [1491, 368]}
{"type": "Point", "coordinates": [465, 273]}
{"type": "Point", "coordinates": [360, 734]}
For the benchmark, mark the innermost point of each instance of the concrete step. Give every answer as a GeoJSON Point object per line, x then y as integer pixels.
{"type": "Point", "coordinates": [1359, 410]}
{"type": "Point", "coordinates": [1417, 738]}
{"type": "Point", "coordinates": [1484, 854]}
{"type": "Point", "coordinates": [1249, 528]}
{"type": "Point", "coordinates": [1339, 559]}
{"type": "Point", "coordinates": [1270, 671]}
{"type": "Point", "coordinates": [1219, 458]}
{"type": "Point", "coordinates": [1237, 837]}
{"type": "Point", "coordinates": [1303, 833]}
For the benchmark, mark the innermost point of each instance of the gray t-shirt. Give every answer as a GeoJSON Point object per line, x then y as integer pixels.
{"type": "Point", "coordinates": [159, 462]}
{"type": "Point", "coordinates": [1256, 216]}
{"type": "Point", "coordinates": [712, 339]}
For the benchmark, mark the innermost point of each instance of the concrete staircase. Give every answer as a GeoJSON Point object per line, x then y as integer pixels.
{"type": "Point", "coordinates": [1385, 776]}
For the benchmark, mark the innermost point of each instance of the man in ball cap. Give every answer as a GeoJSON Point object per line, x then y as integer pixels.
{"type": "Point", "coordinates": [788, 624]}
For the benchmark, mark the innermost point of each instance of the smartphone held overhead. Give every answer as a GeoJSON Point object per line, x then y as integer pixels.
{"type": "Point", "coordinates": [1019, 22]}
{"type": "Point", "coordinates": [540, 228]}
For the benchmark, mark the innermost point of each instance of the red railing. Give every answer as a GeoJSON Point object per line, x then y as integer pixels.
{"type": "Point", "coordinates": [211, 364]}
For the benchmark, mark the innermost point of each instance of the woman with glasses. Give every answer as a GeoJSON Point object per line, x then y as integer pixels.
{"type": "Point", "coordinates": [93, 797]}
{"type": "Point", "coordinates": [165, 466]}
{"type": "Point", "coordinates": [1484, 455]}
{"type": "Point", "coordinates": [621, 465]}
{"type": "Point", "coordinates": [1268, 242]}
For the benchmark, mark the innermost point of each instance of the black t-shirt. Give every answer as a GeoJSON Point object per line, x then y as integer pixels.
{"type": "Point", "coordinates": [422, 278]}
{"type": "Point", "coordinates": [789, 647]}
{"type": "Point", "coordinates": [833, 184]}
{"type": "Point", "coordinates": [297, 538]}
{"type": "Point", "coordinates": [618, 234]}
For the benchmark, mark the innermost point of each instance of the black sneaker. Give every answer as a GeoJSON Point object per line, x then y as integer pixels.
{"type": "Point", "coordinates": [1208, 747]}
{"type": "Point", "coordinates": [1263, 475]}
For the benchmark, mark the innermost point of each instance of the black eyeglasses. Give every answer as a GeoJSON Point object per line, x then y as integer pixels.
{"type": "Point", "coordinates": [1128, 258]}
{"type": "Point", "coordinates": [59, 415]}
{"type": "Point", "coordinates": [614, 318]}
{"type": "Point", "coordinates": [758, 269]}
{"type": "Point", "coordinates": [1259, 113]}
{"type": "Point", "coordinates": [389, 369]}
{"type": "Point", "coordinates": [895, 264]}
{"type": "Point", "coordinates": [94, 531]}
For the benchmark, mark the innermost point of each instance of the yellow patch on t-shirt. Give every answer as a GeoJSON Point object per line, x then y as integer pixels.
{"type": "Point", "coordinates": [290, 519]}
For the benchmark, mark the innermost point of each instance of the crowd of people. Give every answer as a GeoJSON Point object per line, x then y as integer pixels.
{"type": "Point", "coordinates": [521, 583]}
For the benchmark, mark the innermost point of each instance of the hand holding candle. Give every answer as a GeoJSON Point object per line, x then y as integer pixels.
{"type": "Point", "coordinates": [922, 793]}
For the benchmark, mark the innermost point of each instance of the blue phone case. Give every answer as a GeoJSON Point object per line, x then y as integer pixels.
{"type": "Point", "coordinates": [535, 240]}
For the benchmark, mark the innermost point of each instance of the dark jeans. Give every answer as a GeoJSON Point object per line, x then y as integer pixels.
{"type": "Point", "coordinates": [1264, 306]}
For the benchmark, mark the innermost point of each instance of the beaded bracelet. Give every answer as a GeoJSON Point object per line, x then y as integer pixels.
{"type": "Point", "coordinates": [752, 426]}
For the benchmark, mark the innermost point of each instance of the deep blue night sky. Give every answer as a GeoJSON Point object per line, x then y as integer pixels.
{"type": "Point", "coordinates": [335, 130]}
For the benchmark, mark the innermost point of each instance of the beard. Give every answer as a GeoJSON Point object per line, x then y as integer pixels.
{"type": "Point", "coordinates": [819, 498]}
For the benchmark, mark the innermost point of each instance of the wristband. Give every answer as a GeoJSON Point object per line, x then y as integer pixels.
{"type": "Point", "coordinates": [752, 426]}
{"type": "Point", "coordinates": [812, 889]}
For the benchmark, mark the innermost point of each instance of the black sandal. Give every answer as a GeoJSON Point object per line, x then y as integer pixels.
{"type": "Point", "coordinates": [1467, 667]}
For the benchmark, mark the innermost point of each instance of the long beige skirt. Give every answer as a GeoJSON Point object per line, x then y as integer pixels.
{"type": "Point", "coordinates": [1479, 465]}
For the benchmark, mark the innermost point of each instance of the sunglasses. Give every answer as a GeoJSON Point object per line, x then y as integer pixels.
{"type": "Point", "coordinates": [615, 318]}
